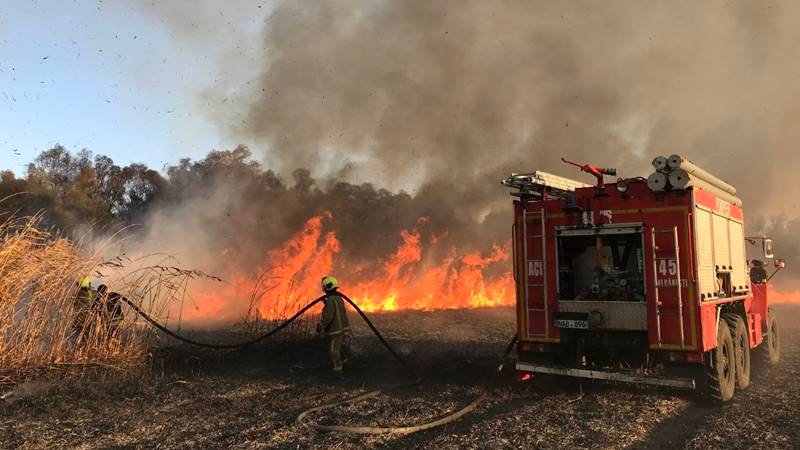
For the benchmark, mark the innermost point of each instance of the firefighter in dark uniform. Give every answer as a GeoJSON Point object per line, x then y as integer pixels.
{"type": "Point", "coordinates": [334, 323]}
{"type": "Point", "coordinates": [758, 274]}
{"type": "Point", "coordinates": [109, 308]}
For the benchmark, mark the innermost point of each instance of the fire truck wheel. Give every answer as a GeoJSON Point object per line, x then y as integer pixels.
{"type": "Point", "coordinates": [741, 349]}
{"type": "Point", "coordinates": [773, 344]}
{"type": "Point", "coordinates": [720, 370]}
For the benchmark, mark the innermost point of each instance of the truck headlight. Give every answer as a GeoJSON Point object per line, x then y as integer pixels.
{"type": "Point", "coordinates": [622, 186]}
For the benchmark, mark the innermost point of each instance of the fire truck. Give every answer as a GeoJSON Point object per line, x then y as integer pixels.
{"type": "Point", "coordinates": [641, 280]}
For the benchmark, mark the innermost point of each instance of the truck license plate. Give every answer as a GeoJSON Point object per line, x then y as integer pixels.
{"type": "Point", "coordinates": [571, 323]}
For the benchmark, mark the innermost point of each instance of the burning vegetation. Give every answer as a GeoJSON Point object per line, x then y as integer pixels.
{"type": "Point", "coordinates": [271, 242]}
{"type": "Point", "coordinates": [408, 278]}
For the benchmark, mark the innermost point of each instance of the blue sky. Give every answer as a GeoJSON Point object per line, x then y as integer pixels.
{"type": "Point", "coordinates": [109, 76]}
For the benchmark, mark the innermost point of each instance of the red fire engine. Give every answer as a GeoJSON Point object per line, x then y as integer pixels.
{"type": "Point", "coordinates": [642, 280]}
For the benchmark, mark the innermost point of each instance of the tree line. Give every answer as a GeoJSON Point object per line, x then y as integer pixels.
{"type": "Point", "coordinates": [246, 206]}
{"type": "Point", "coordinates": [79, 189]}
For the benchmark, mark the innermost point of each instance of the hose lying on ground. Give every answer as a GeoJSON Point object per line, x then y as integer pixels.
{"type": "Point", "coordinates": [385, 430]}
{"type": "Point", "coordinates": [452, 417]}
{"type": "Point", "coordinates": [301, 418]}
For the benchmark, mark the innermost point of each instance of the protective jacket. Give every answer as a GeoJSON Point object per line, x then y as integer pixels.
{"type": "Point", "coordinates": [109, 307]}
{"type": "Point", "coordinates": [114, 306]}
{"type": "Point", "coordinates": [82, 307]}
{"type": "Point", "coordinates": [334, 317]}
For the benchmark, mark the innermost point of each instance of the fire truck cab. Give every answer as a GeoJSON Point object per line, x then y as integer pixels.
{"type": "Point", "coordinates": [638, 281]}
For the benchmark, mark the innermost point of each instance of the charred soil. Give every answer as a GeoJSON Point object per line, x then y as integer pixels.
{"type": "Point", "coordinates": [250, 398]}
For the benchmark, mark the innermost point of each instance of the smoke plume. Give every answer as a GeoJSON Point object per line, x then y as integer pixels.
{"type": "Point", "coordinates": [431, 103]}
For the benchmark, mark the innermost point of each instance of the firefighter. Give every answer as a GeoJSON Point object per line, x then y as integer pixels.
{"type": "Point", "coordinates": [82, 305]}
{"type": "Point", "coordinates": [758, 274]}
{"type": "Point", "coordinates": [334, 323]}
{"type": "Point", "coordinates": [109, 307]}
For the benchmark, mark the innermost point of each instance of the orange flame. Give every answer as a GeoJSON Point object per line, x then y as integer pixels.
{"type": "Point", "coordinates": [409, 278]}
{"type": "Point", "coordinates": [776, 296]}
{"type": "Point", "coordinates": [405, 281]}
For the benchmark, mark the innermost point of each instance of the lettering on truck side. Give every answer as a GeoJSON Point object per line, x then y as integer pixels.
{"type": "Point", "coordinates": [671, 282]}
{"type": "Point", "coordinates": [535, 268]}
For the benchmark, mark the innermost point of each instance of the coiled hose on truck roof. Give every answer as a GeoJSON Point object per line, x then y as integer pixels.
{"type": "Point", "coordinates": [302, 418]}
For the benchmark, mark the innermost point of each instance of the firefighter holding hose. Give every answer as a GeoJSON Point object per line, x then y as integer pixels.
{"type": "Point", "coordinates": [82, 306]}
{"type": "Point", "coordinates": [108, 306]}
{"type": "Point", "coordinates": [334, 323]}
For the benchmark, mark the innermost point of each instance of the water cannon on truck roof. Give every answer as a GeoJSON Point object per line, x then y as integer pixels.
{"type": "Point", "coordinates": [597, 172]}
{"type": "Point", "coordinates": [647, 282]}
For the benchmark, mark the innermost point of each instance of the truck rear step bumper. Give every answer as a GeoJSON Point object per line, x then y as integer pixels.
{"type": "Point", "coordinates": [622, 377]}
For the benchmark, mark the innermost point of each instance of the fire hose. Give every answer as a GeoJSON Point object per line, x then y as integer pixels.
{"type": "Point", "coordinates": [302, 417]}
{"type": "Point", "coordinates": [175, 335]}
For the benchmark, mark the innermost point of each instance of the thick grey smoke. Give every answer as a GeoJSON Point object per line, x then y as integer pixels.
{"type": "Point", "coordinates": [462, 92]}
{"type": "Point", "coordinates": [443, 98]}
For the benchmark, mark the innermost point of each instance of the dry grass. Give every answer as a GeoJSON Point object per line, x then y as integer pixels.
{"type": "Point", "coordinates": [251, 399]}
{"type": "Point", "coordinates": [44, 331]}
{"type": "Point", "coordinates": [286, 297]}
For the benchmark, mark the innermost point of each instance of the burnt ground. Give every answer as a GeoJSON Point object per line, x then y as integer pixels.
{"type": "Point", "coordinates": [250, 399]}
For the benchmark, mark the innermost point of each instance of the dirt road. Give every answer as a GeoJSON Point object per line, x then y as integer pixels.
{"type": "Point", "coordinates": [251, 399]}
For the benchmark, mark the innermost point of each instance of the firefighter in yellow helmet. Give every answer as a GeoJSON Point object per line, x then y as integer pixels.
{"type": "Point", "coordinates": [334, 323]}
{"type": "Point", "coordinates": [82, 306]}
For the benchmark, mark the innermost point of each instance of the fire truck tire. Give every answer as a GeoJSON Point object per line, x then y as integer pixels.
{"type": "Point", "coordinates": [720, 370]}
{"type": "Point", "coordinates": [741, 348]}
{"type": "Point", "coordinates": [770, 348]}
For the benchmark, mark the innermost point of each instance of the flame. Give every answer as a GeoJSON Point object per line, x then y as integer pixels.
{"type": "Point", "coordinates": [776, 296]}
{"type": "Point", "coordinates": [414, 276]}
{"type": "Point", "coordinates": [420, 274]}
{"type": "Point", "coordinates": [406, 281]}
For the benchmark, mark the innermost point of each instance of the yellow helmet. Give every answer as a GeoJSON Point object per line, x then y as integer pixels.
{"type": "Point", "coordinates": [86, 282]}
{"type": "Point", "coordinates": [329, 283]}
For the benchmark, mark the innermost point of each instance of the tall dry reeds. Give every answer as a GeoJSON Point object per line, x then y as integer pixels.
{"type": "Point", "coordinates": [286, 297]}
{"type": "Point", "coordinates": [44, 327]}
